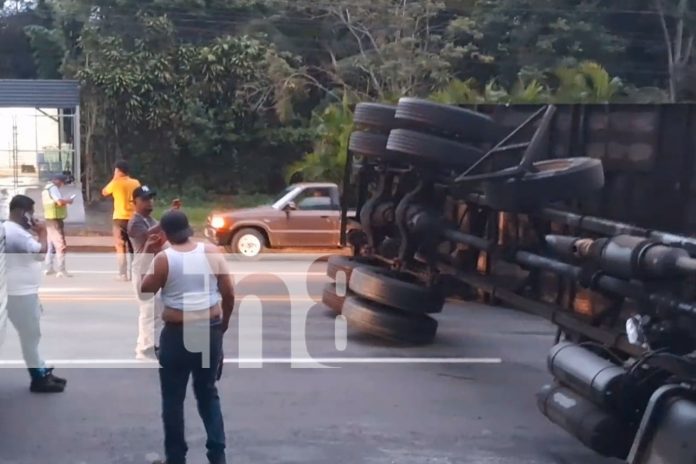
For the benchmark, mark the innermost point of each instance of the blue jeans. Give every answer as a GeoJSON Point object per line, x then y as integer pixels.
{"type": "Point", "coordinates": [177, 364]}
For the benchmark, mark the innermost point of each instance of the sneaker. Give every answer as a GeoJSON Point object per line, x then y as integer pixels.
{"type": "Point", "coordinates": [56, 378]}
{"type": "Point", "coordinates": [46, 385]}
{"type": "Point", "coordinates": [64, 275]}
{"type": "Point", "coordinates": [49, 272]}
{"type": "Point", "coordinates": [122, 278]}
{"type": "Point", "coordinates": [147, 355]}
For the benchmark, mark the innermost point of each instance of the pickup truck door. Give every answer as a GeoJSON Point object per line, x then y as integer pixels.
{"type": "Point", "coordinates": [315, 220]}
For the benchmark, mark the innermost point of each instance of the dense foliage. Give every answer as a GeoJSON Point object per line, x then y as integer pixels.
{"type": "Point", "coordinates": [229, 96]}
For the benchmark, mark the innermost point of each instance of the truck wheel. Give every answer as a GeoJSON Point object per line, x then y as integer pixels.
{"type": "Point", "coordinates": [389, 324]}
{"type": "Point", "coordinates": [554, 180]}
{"type": "Point", "coordinates": [371, 145]}
{"type": "Point", "coordinates": [248, 243]}
{"type": "Point", "coordinates": [447, 120]}
{"type": "Point", "coordinates": [429, 149]}
{"type": "Point", "coordinates": [345, 264]}
{"type": "Point", "coordinates": [374, 116]}
{"type": "Point", "coordinates": [332, 299]}
{"type": "Point", "coordinates": [397, 290]}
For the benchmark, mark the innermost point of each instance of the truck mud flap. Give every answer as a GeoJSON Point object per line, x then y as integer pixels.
{"type": "Point", "coordinates": [667, 434]}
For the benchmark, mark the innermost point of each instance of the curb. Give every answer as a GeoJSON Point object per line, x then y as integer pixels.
{"type": "Point", "coordinates": [105, 245]}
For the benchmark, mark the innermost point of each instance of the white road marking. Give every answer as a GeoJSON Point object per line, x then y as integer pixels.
{"type": "Point", "coordinates": [393, 360]}
{"type": "Point", "coordinates": [233, 273]}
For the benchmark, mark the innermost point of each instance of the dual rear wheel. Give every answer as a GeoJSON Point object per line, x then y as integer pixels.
{"type": "Point", "coordinates": [385, 304]}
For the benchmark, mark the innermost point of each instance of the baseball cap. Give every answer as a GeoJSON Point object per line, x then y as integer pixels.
{"type": "Point", "coordinates": [60, 177]}
{"type": "Point", "coordinates": [144, 192]}
{"type": "Point", "coordinates": [175, 225]}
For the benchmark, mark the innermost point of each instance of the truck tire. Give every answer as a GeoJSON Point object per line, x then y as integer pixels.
{"type": "Point", "coordinates": [554, 180]}
{"type": "Point", "coordinates": [419, 147]}
{"type": "Point", "coordinates": [346, 264]}
{"type": "Point", "coordinates": [332, 299]}
{"type": "Point", "coordinates": [370, 145]}
{"type": "Point", "coordinates": [447, 120]}
{"type": "Point", "coordinates": [396, 290]}
{"type": "Point", "coordinates": [374, 116]}
{"type": "Point", "coordinates": [388, 323]}
{"type": "Point", "coordinates": [247, 244]}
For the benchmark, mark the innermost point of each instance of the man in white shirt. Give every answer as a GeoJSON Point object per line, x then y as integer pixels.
{"type": "Point", "coordinates": [24, 254]}
{"type": "Point", "coordinates": [3, 288]}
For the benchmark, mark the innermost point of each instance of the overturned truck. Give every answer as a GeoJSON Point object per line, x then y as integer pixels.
{"type": "Point", "coordinates": [557, 211]}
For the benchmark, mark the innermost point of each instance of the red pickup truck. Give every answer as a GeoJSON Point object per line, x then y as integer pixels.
{"type": "Point", "coordinates": [303, 215]}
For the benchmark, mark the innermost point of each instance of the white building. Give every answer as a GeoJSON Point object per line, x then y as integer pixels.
{"type": "Point", "coordinates": [39, 136]}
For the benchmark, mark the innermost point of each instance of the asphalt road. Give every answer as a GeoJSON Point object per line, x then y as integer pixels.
{"type": "Point", "coordinates": [469, 398]}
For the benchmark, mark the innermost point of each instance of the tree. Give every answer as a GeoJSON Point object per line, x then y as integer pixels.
{"type": "Point", "coordinates": [16, 60]}
{"type": "Point", "coordinates": [678, 23]}
{"type": "Point", "coordinates": [326, 162]}
{"type": "Point", "coordinates": [380, 49]}
{"type": "Point", "coordinates": [202, 107]}
{"type": "Point", "coordinates": [502, 37]}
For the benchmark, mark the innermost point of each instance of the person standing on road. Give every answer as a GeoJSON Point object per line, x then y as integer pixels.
{"type": "Point", "coordinates": [121, 188]}
{"type": "Point", "coordinates": [24, 256]}
{"type": "Point", "coordinates": [142, 226]}
{"type": "Point", "coordinates": [197, 293]}
{"type": "Point", "coordinates": [55, 211]}
{"type": "Point", "coordinates": [3, 287]}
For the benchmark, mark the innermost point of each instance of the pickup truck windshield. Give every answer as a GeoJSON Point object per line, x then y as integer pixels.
{"type": "Point", "coordinates": [282, 194]}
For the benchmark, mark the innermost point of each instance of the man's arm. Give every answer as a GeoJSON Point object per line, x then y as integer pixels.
{"type": "Point", "coordinates": [109, 189]}
{"type": "Point", "coordinates": [156, 276]}
{"type": "Point", "coordinates": [224, 281]}
{"type": "Point", "coordinates": [137, 229]}
{"type": "Point", "coordinates": [57, 197]}
{"type": "Point", "coordinates": [38, 246]}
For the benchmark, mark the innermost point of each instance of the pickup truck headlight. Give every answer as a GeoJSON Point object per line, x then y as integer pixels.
{"type": "Point", "coordinates": [217, 222]}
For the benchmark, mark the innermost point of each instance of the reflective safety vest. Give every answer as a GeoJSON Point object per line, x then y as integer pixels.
{"type": "Point", "coordinates": [51, 209]}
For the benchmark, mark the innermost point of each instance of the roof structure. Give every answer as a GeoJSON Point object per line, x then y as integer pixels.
{"type": "Point", "coordinates": [29, 93]}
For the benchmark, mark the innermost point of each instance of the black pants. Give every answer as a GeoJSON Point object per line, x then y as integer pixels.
{"type": "Point", "coordinates": [177, 364]}
{"type": "Point", "coordinates": [123, 245]}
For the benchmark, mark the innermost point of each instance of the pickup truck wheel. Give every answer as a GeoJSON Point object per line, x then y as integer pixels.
{"type": "Point", "coordinates": [419, 147]}
{"type": "Point", "coordinates": [397, 290]}
{"type": "Point", "coordinates": [374, 116]}
{"type": "Point", "coordinates": [332, 299]}
{"type": "Point", "coordinates": [388, 323]}
{"type": "Point", "coordinates": [345, 264]}
{"type": "Point", "coordinates": [553, 180]}
{"type": "Point", "coordinates": [248, 243]}
{"type": "Point", "coordinates": [447, 120]}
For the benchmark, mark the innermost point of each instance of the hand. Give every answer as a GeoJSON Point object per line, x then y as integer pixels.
{"type": "Point", "coordinates": [154, 243]}
{"type": "Point", "coordinates": [70, 201]}
{"type": "Point", "coordinates": [38, 227]}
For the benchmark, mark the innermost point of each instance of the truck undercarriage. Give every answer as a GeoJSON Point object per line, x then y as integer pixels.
{"type": "Point", "coordinates": [453, 203]}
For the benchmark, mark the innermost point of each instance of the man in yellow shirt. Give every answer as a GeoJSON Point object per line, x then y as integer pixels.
{"type": "Point", "coordinates": [121, 189]}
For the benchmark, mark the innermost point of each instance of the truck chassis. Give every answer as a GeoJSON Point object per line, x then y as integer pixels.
{"type": "Point", "coordinates": [450, 203]}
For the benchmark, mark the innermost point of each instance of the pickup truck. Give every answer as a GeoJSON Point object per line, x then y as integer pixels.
{"type": "Point", "coordinates": [303, 215]}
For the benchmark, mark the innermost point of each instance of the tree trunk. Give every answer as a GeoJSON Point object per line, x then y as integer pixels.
{"type": "Point", "coordinates": [89, 150]}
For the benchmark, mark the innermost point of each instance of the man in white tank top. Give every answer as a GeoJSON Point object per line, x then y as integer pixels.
{"type": "Point", "coordinates": [198, 299]}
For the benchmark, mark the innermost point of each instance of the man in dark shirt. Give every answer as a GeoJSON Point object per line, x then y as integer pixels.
{"type": "Point", "coordinates": [140, 227]}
